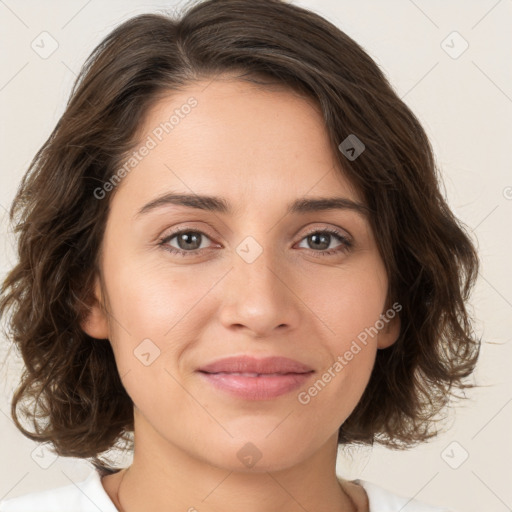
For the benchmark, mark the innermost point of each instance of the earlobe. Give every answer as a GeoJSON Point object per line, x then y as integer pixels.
{"type": "Point", "coordinates": [389, 333]}
{"type": "Point", "coordinates": [95, 322]}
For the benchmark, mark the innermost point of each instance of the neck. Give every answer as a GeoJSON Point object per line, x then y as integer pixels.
{"type": "Point", "coordinates": [164, 477]}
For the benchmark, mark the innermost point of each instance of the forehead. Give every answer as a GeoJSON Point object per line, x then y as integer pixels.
{"type": "Point", "coordinates": [235, 139]}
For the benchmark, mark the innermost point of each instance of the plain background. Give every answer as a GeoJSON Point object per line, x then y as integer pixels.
{"type": "Point", "coordinates": [465, 105]}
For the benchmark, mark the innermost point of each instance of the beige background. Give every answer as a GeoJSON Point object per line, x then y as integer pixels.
{"type": "Point", "coordinates": [464, 103]}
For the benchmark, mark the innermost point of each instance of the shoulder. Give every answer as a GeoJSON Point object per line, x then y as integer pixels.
{"type": "Point", "coordinates": [85, 496]}
{"type": "Point", "coordinates": [383, 500]}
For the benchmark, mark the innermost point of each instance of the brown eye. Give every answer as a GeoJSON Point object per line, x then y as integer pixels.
{"type": "Point", "coordinates": [187, 241]}
{"type": "Point", "coordinates": [319, 241]}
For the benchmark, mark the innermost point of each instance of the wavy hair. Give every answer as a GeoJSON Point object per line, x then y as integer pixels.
{"type": "Point", "coordinates": [70, 390]}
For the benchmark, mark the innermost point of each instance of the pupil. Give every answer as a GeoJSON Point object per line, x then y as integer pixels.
{"type": "Point", "coordinates": [189, 239]}
{"type": "Point", "coordinates": [317, 237]}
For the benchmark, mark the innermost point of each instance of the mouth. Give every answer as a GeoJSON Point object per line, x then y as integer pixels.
{"type": "Point", "coordinates": [256, 386]}
{"type": "Point", "coordinates": [252, 365]}
{"type": "Point", "coordinates": [247, 374]}
{"type": "Point", "coordinates": [256, 379]}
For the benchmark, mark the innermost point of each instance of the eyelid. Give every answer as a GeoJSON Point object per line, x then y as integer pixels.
{"type": "Point", "coordinates": [183, 228]}
{"type": "Point", "coordinates": [330, 229]}
{"type": "Point", "coordinates": [345, 239]}
{"type": "Point", "coordinates": [313, 229]}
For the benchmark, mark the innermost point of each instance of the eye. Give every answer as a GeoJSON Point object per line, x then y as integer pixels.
{"type": "Point", "coordinates": [321, 239]}
{"type": "Point", "coordinates": [189, 242]}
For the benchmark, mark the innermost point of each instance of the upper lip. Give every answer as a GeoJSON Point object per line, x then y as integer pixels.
{"type": "Point", "coordinates": [248, 364]}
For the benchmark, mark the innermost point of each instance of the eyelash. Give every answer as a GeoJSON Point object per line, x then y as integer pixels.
{"type": "Point", "coordinates": [346, 244]}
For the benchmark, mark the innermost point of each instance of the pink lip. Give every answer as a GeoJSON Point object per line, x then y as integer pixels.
{"type": "Point", "coordinates": [248, 364]}
{"type": "Point", "coordinates": [276, 376]}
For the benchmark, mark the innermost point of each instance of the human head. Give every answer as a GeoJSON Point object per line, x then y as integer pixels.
{"type": "Point", "coordinates": [429, 260]}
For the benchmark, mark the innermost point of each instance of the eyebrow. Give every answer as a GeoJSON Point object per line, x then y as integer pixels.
{"type": "Point", "coordinates": [220, 205]}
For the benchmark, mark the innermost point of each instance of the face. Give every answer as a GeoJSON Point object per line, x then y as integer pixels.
{"type": "Point", "coordinates": [251, 279]}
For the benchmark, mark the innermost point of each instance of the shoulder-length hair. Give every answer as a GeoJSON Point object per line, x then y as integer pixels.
{"type": "Point", "coordinates": [82, 406]}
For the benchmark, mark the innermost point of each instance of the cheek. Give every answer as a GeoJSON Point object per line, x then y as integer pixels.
{"type": "Point", "coordinates": [156, 316]}
{"type": "Point", "coordinates": [346, 300]}
{"type": "Point", "coordinates": [153, 304]}
{"type": "Point", "coordinates": [347, 307]}
{"type": "Point", "coordinates": [348, 314]}
{"type": "Point", "coordinates": [151, 300]}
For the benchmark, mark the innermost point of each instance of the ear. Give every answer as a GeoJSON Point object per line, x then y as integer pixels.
{"type": "Point", "coordinates": [390, 332]}
{"type": "Point", "coordinates": [95, 323]}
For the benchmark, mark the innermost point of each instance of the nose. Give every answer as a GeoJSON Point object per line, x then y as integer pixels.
{"type": "Point", "coordinates": [258, 296]}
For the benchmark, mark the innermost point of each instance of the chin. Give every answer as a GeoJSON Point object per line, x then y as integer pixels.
{"type": "Point", "coordinates": [258, 454]}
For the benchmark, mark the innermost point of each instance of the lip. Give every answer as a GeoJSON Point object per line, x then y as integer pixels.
{"type": "Point", "coordinates": [251, 378]}
{"type": "Point", "coordinates": [249, 364]}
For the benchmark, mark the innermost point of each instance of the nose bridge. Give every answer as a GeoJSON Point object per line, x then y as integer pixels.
{"type": "Point", "coordinates": [258, 267]}
{"type": "Point", "coordinates": [260, 297]}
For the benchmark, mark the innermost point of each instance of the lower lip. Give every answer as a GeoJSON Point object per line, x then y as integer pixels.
{"type": "Point", "coordinates": [264, 387]}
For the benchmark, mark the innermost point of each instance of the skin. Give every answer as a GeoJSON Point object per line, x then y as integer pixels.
{"type": "Point", "coordinates": [259, 149]}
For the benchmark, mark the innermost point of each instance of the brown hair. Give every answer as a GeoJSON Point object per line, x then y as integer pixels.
{"type": "Point", "coordinates": [431, 262]}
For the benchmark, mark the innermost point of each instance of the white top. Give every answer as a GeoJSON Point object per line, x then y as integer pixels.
{"type": "Point", "coordinates": [90, 496]}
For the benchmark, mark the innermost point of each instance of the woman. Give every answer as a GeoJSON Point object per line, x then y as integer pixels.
{"type": "Point", "coordinates": [234, 252]}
